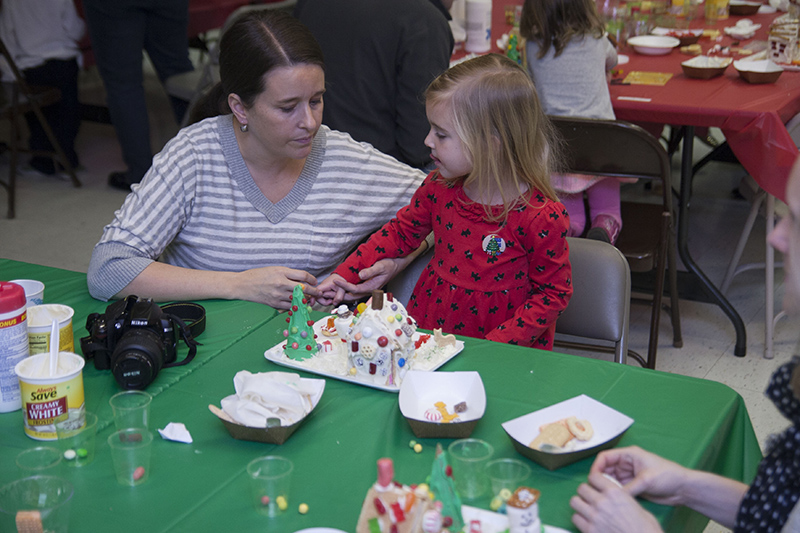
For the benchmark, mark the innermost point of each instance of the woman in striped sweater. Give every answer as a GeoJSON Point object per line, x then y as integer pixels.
{"type": "Point", "coordinates": [247, 204]}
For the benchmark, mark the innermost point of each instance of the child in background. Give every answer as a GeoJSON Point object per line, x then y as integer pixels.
{"type": "Point", "coordinates": [568, 57]}
{"type": "Point", "coordinates": [42, 37]}
{"type": "Point", "coordinates": [501, 268]}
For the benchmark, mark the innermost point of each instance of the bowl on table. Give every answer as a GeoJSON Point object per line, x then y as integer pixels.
{"type": "Point", "coordinates": [705, 67]}
{"type": "Point", "coordinates": [763, 71]}
{"type": "Point", "coordinates": [653, 45]}
{"type": "Point", "coordinates": [686, 37]}
{"type": "Point", "coordinates": [742, 8]}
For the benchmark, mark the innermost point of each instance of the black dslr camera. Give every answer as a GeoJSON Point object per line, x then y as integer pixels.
{"type": "Point", "coordinates": [135, 338]}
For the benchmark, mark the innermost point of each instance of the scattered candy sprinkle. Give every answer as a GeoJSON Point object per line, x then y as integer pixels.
{"type": "Point", "coordinates": [69, 455]}
{"type": "Point", "coordinates": [496, 503]}
{"type": "Point", "coordinates": [418, 447]}
{"type": "Point", "coordinates": [303, 508]}
{"type": "Point", "coordinates": [505, 494]}
{"type": "Point", "coordinates": [282, 503]}
{"type": "Point", "coordinates": [83, 453]}
{"type": "Point", "coordinates": [265, 500]}
{"type": "Point", "coordinates": [412, 443]}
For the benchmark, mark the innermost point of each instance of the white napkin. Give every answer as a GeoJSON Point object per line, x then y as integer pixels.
{"type": "Point", "coordinates": [176, 431]}
{"type": "Point", "coordinates": [744, 29]}
{"type": "Point", "coordinates": [281, 395]}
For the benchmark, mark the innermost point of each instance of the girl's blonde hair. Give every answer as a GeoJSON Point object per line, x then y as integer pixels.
{"type": "Point", "coordinates": [499, 121]}
{"type": "Point", "coordinates": [555, 22]}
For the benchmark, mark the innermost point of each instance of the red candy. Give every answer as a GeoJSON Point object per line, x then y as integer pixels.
{"type": "Point", "coordinates": [294, 308]}
{"type": "Point", "coordinates": [308, 347]}
{"type": "Point", "coordinates": [379, 506]}
{"type": "Point", "coordinates": [447, 521]}
{"type": "Point", "coordinates": [398, 332]}
{"type": "Point", "coordinates": [304, 300]}
{"type": "Point", "coordinates": [382, 341]}
{"type": "Point", "coordinates": [448, 471]}
{"type": "Point", "coordinates": [265, 500]}
{"type": "Point", "coordinates": [310, 322]}
{"type": "Point", "coordinates": [138, 473]}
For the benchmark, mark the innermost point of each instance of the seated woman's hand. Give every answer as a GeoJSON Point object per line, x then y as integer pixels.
{"type": "Point", "coordinates": [602, 506]}
{"type": "Point", "coordinates": [372, 278]}
{"type": "Point", "coordinates": [273, 285]}
{"type": "Point", "coordinates": [643, 473]}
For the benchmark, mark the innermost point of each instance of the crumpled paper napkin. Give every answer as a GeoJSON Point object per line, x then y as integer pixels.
{"type": "Point", "coordinates": [744, 29]}
{"type": "Point", "coordinates": [282, 395]}
{"type": "Point", "coordinates": [176, 431]}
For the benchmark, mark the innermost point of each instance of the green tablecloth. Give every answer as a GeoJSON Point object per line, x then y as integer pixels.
{"type": "Point", "coordinates": [203, 486]}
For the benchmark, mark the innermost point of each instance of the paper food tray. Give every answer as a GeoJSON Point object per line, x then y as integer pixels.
{"type": "Point", "coordinates": [609, 427]}
{"type": "Point", "coordinates": [421, 390]}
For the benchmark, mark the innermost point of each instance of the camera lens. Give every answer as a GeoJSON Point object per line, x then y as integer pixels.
{"type": "Point", "coordinates": [137, 359]}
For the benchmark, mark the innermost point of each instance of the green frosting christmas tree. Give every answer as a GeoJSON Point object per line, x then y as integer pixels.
{"type": "Point", "coordinates": [300, 341]}
{"type": "Point", "coordinates": [444, 490]}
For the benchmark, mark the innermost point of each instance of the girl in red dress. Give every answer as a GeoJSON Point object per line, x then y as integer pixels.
{"type": "Point", "coordinates": [501, 268]}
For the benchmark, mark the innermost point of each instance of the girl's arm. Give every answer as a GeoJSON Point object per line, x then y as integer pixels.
{"type": "Point", "coordinates": [399, 237]}
{"type": "Point", "coordinates": [550, 274]}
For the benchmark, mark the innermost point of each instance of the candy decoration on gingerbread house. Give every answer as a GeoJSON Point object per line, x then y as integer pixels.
{"type": "Point", "coordinates": [300, 339]}
{"type": "Point", "coordinates": [381, 341]}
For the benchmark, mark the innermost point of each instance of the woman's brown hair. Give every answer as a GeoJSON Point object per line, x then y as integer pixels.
{"type": "Point", "coordinates": [555, 22]}
{"type": "Point", "coordinates": [256, 43]}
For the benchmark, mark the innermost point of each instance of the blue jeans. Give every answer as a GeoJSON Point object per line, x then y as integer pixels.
{"type": "Point", "coordinates": [120, 30]}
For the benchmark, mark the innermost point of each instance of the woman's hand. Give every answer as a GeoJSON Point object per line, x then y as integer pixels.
{"type": "Point", "coordinates": [602, 506]}
{"type": "Point", "coordinates": [335, 289]}
{"type": "Point", "coordinates": [273, 285]}
{"type": "Point", "coordinates": [643, 474]}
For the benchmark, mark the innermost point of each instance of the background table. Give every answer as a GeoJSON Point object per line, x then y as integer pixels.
{"type": "Point", "coordinates": [203, 486]}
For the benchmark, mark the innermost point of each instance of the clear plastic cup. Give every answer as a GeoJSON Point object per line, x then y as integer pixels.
{"type": "Point", "coordinates": [507, 474]}
{"type": "Point", "coordinates": [38, 503]}
{"type": "Point", "coordinates": [131, 409]}
{"type": "Point", "coordinates": [40, 460]}
{"type": "Point", "coordinates": [468, 458]}
{"type": "Point", "coordinates": [270, 480]}
{"type": "Point", "coordinates": [77, 443]}
{"type": "Point", "coordinates": [130, 452]}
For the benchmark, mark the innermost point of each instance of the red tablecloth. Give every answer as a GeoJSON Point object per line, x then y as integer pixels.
{"type": "Point", "coordinates": [751, 117]}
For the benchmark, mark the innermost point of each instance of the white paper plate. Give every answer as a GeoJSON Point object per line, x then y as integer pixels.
{"type": "Point", "coordinates": [275, 355]}
{"type": "Point", "coordinates": [320, 530]}
{"type": "Point", "coordinates": [653, 45]}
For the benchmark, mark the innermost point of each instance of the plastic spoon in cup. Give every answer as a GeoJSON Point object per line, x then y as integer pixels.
{"type": "Point", "coordinates": [54, 344]}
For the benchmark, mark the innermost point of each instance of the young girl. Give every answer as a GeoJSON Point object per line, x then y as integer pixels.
{"type": "Point", "coordinates": [568, 57]}
{"type": "Point", "coordinates": [501, 268]}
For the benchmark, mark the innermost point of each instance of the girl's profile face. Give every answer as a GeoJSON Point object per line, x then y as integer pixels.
{"type": "Point", "coordinates": [285, 117]}
{"type": "Point", "coordinates": [447, 150]}
{"type": "Point", "coordinates": [786, 239]}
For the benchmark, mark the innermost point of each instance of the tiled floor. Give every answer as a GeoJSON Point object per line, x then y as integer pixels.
{"type": "Point", "coordinates": [58, 225]}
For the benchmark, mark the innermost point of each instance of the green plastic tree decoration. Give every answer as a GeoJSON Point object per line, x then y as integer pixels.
{"type": "Point", "coordinates": [300, 341]}
{"type": "Point", "coordinates": [444, 490]}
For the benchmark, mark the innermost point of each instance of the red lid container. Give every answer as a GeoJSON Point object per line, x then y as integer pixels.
{"type": "Point", "coordinates": [12, 297]}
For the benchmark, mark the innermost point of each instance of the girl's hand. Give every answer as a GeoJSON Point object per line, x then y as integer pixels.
{"type": "Point", "coordinates": [373, 278]}
{"type": "Point", "coordinates": [330, 291]}
{"type": "Point", "coordinates": [601, 506]}
{"type": "Point", "coordinates": [273, 285]}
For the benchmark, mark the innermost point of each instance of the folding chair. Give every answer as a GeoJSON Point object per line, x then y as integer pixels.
{"type": "Point", "coordinates": [16, 99]}
{"type": "Point", "coordinates": [620, 149]}
{"type": "Point", "coordinates": [599, 309]}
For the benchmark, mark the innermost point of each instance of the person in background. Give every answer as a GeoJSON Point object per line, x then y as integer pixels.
{"type": "Point", "coordinates": [257, 198]}
{"type": "Point", "coordinates": [120, 30]}
{"type": "Point", "coordinates": [569, 56]}
{"type": "Point", "coordinates": [768, 504]}
{"type": "Point", "coordinates": [380, 55]}
{"type": "Point", "coordinates": [501, 267]}
{"type": "Point", "coordinates": [42, 38]}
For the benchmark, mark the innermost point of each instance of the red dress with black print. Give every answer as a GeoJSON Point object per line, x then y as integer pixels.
{"type": "Point", "coordinates": [506, 282]}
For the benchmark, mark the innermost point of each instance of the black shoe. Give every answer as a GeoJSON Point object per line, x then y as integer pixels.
{"type": "Point", "coordinates": [119, 180]}
{"type": "Point", "coordinates": [44, 165]}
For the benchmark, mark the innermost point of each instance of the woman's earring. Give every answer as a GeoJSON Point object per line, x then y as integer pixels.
{"type": "Point", "coordinates": [243, 127]}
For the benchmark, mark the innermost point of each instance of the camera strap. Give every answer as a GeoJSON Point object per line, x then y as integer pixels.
{"type": "Point", "coordinates": [190, 319]}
